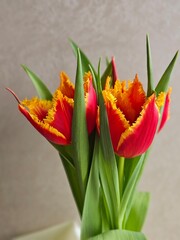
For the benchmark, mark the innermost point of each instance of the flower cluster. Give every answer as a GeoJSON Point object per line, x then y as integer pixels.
{"type": "Point", "coordinates": [102, 128]}
{"type": "Point", "coordinates": [133, 117]}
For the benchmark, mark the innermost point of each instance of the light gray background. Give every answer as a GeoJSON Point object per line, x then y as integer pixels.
{"type": "Point", "coordinates": [34, 192]}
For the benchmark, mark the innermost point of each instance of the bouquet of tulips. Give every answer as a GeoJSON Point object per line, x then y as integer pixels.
{"type": "Point", "coordinates": [102, 128]}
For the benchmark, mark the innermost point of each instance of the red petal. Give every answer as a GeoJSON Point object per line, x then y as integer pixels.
{"type": "Point", "coordinates": [114, 71]}
{"type": "Point", "coordinates": [41, 110]}
{"type": "Point", "coordinates": [45, 129]}
{"type": "Point", "coordinates": [91, 103]}
{"type": "Point", "coordinates": [137, 139]}
{"type": "Point", "coordinates": [117, 122]}
{"type": "Point", "coordinates": [165, 114]}
{"type": "Point", "coordinates": [60, 116]}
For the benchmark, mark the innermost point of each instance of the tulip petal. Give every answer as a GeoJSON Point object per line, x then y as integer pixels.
{"type": "Point", "coordinates": [66, 86]}
{"type": "Point", "coordinates": [137, 138]}
{"type": "Point", "coordinates": [45, 129]}
{"type": "Point", "coordinates": [51, 118]}
{"type": "Point", "coordinates": [117, 121]}
{"type": "Point", "coordinates": [38, 110]}
{"type": "Point", "coordinates": [130, 100]}
{"type": "Point", "coordinates": [160, 99]}
{"type": "Point", "coordinates": [60, 115]}
{"type": "Point", "coordinates": [165, 114]}
{"type": "Point", "coordinates": [37, 107]}
{"type": "Point", "coordinates": [91, 102]}
{"type": "Point", "coordinates": [136, 95]}
{"type": "Point", "coordinates": [107, 85]}
{"type": "Point", "coordinates": [114, 71]}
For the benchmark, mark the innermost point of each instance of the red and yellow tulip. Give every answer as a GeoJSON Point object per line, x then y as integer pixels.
{"type": "Point", "coordinates": [133, 117]}
{"type": "Point", "coordinates": [53, 118]}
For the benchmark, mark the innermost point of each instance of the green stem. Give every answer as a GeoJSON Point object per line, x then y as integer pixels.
{"type": "Point", "coordinates": [121, 174]}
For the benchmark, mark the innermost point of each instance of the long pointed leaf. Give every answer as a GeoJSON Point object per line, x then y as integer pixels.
{"type": "Point", "coordinates": [119, 235]}
{"type": "Point", "coordinates": [80, 140]}
{"type": "Point", "coordinates": [108, 166]}
{"type": "Point", "coordinates": [105, 216]}
{"type": "Point", "coordinates": [164, 81]}
{"type": "Point", "coordinates": [40, 87]}
{"type": "Point", "coordinates": [149, 68]}
{"type": "Point", "coordinates": [129, 191]}
{"type": "Point", "coordinates": [94, 78]}
{"type": "Point", "coordinates": [85, 61]}
{"type": "Point", "coordinates": [91, 219]}
{"type": "Point", "coordinates": [73, 182]}
{"type": "Point", "coordinates": [107, 72]}
{"type": "Point", "coordinates": [138, 211]}
{"type": "Point", "coordinates": [130, 165]}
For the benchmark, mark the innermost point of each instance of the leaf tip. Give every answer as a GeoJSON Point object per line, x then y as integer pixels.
{"type": "Point", "coordinates": [71, 42]}
{"type": "Point", "coordinates": [177, 53]}
{"type": "Point", "coordinates": [25, 68]}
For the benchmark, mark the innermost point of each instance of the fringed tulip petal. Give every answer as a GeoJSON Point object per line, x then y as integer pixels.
{"type": "Point", "coordinates": [66, 86]}
{"type": "Point", "coordinates": [60, 115]}
{"type": "Point", "coordinates": [160, 100]}
{"type": "Point", "coordinates": [165, 114]}
{"type": "Point", "coordinates": [137, 139]}
{"type": "Point", "coordinates": [117, 121]}
{"type": "Point", "coordinates": [131, 100]}
{"type": "Point", "coordinates": [37, 107]}
{"type": "Point", "coordinates": [45, 129]}
{"type": "Point", "coordinates": [91, 102]}
{"type": "Point", "coordinates": [107, 84]}
{"type": "Point", "coordinates": [35, 110]}
{"type": "Point", "coordinates": [136, 95]}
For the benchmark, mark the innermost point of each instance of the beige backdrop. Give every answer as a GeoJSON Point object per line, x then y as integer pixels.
{"type": "Point", "coordinates": [34, 192]}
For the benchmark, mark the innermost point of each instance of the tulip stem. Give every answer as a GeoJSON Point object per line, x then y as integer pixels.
{"type": "Point", "coordinates": [121, 174]}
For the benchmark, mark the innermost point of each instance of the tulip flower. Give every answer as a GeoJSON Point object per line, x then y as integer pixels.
{"type": "Point", "coordinates": [53, 118]}
{"type": "Point", "coordinates": [133, 117]}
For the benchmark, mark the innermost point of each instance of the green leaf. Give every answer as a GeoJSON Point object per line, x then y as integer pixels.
{"type": "Point", "coordinates": [109, 182]}
{"type": "Point", "coordinates": [164, 81]}
{"type": "Point", "coordinates": [138, 211]}
{"type": "Point", "coordinates": [129, 166]}
{"type": "Point", "coordinates": [104, 212]}
{"type": "Point", "coordinates": [40, 87]}
{"type": "Point", "coordinates": [127, 198]}
{"type": "Point", "coordinates": [80, 140]}
{"type": "Point", "coordinates": [107, 61]}
{"type": "Point", "coordinates": [108, 167]}
{"type": "Point", "coordinates": [91, 219]}
{"type": "Point", "coordinates": [107, 72]}
{"type": "Point", "coordinates": [73, 182]}
{"type": "Point", "coordinates": [149, 68]}
{"type": "Point", "coordinates": [94, 78]}
{"type": "Point", "coordinates": [119, 235]}
{"type": "Point", "coordinates": [85, 61]}
{"type": "Point", "coordinates": [65, 153]}
{"type": "Point", "coordinates": [64, 150]}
